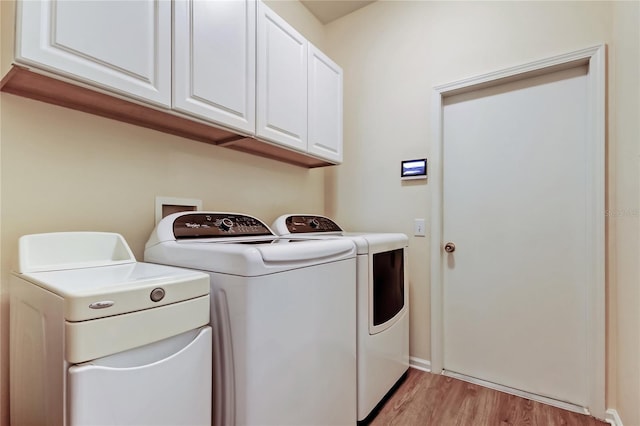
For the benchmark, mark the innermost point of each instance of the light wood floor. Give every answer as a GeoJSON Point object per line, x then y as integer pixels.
{"type": "Point", "coordinates": [425, 399]}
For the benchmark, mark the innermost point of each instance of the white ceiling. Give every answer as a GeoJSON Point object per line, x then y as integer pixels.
{"type": "Point", "coordinates": [330, 10]}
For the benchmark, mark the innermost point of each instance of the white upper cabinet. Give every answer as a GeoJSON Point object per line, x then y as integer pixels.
{"type": "Point", "coordinates": [281, 82]}
{"type": "Point", "coordinates": [214, 61]}
{"type": "Point", "coordinates": [325, 106]}
{"type": "Point", "coordinates": [124, 46]}
{"type": "Point", "coordinates": [185, 67]}
{"type": "Point", "coordinates": [299, 91]}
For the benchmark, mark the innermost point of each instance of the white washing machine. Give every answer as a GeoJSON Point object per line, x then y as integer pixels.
{"type": "Point", "coordinates": [97, 338]}
{"type": "Point", "coordinates": [283, 315]}
{"type": "Point", "coordinates": [383, 303]}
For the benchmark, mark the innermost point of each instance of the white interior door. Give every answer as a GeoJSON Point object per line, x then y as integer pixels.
{"type": "Point", "coordinates": [515, 203]}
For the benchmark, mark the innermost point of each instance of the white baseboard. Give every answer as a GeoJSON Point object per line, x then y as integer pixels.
{"type": "Point", "coordinates": [612, 417]}
{"type": "Point", "coordinates": [420, 364]}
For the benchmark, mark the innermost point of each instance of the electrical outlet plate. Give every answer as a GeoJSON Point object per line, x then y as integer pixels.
{"type": "Point", "coordinates": [167, 205]}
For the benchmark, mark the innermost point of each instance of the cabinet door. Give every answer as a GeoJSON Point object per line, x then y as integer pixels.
{"type": "Point", "coordinates": [282, 82]}
{"type": "Point", "coordinates": [214, 61]}
{"type": "Point", "coordinates": [325, 106]}
{"type": "Point", "coordinates": [123, 46]}
{"type": "Point", "coordinates": [163, 383]}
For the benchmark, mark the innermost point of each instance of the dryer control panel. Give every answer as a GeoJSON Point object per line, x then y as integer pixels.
{"type": "Point", "coordinates": [306, 224]}
{"type": "Point", "coordinates": [217, 225]}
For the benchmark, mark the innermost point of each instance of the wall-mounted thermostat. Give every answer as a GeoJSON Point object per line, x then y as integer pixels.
{"type": "Point", "coordinates": [413, 169]}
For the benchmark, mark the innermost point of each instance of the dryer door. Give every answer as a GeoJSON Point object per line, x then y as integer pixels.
{"type": "Point", "coordinates": [387, 291]}
{"type": "Point", "coordinates": [163, 383]}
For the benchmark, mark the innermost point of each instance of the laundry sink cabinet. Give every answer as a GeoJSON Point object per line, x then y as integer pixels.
{"type": "Point", "coordinates": [230, 73]}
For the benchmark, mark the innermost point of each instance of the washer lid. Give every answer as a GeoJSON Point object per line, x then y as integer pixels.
{"type": "Point", "coordinates": [250, 260]}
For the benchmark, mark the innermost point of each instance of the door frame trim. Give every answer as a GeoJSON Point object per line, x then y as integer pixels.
{"type": "Point", "coordinates": [595, 59]}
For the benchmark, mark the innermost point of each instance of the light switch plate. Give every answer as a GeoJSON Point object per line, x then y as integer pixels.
{"type": "Point", "coordinates": [418, 228]}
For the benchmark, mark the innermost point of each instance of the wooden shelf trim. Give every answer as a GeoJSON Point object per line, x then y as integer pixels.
{"type": "Point", "coordinates": [23, 82]}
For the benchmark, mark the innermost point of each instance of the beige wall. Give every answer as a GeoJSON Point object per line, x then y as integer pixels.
{"type": "Point", "coordinates": [7, 11]}
{"type": "Point", "coordinates": [63, 170]}
{"type": "Point", "coordinates": [393, 54]}
{"type": "Point", "coordinates": [302, 20]}
{"type": "Point", "coordinates": [624, 155]}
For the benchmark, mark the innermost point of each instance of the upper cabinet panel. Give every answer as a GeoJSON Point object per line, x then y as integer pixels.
{"type": "Point", "coordinates": [281, 81]}
{"type": "Point", "coordinates": [325, 106]}
{"type": "Point", "coordinates": [119, 45]}
{"type": "Point", "coordinates": [214, 61]}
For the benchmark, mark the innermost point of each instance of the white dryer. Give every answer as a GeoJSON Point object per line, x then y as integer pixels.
{"type": "Point", "coordinates": [383, 303]}
{"type": "Point", "coordinates": [283, 315]}
{"type": "Point", "coordinates": [97, 338]}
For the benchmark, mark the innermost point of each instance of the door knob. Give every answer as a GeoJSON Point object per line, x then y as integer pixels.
{"type": "Point", "coordinates": [450, 247]}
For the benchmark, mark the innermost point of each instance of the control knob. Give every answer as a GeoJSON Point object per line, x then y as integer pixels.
{"type": "Point", "coordinates": [226, 224]}
{"type": "Point", "coordinates": [157, 294]}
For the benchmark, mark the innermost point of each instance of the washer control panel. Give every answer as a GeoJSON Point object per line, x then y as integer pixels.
{"type": "Point", "coordinates": [218, 225]}
{"type": "Point", "coordinates": [307, 224]}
